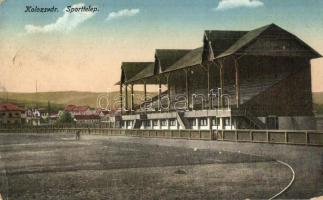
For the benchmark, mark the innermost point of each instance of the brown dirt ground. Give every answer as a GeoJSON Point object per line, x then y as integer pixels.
{"type": "Point", "coordinates": [57, 167]}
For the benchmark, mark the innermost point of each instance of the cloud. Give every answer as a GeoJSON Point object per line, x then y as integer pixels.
{"type": "Point", "coordinates": [123, 13]}
{"type": "Point", "coordinates": [65, 23]}
{"type": "Point", "coordinates": [231, 4]}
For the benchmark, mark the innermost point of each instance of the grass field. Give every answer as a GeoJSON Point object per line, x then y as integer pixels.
{"type": "Point", "coordinates": [58, 167]}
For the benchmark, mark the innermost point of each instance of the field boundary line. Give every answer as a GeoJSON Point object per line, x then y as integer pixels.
{"type": "Point", "coordinates": [289, 184]}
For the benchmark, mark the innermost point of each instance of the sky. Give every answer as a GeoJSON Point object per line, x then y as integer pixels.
{"type": "Point", "coordinates": [83, 50]}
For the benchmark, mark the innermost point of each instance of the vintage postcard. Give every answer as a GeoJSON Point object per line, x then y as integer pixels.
{"type": "Point", "coordinates": [161, 99]}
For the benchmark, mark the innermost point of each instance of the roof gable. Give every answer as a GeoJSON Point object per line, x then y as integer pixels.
{"type": "Point", "coordinates": [221, 40]}
{"type": "Point", "coordinates": [270, 40]}
{"type": "Point", "coordinates": [167, 57]}
{"type": "Point", "coordinates": [148, 71]}
{"type": "Point", "coordinates": [130, 69]}
{"type": "Point", "coordinates": [193, 57]}
{"type": "Point", "coordinates": [244, 40]}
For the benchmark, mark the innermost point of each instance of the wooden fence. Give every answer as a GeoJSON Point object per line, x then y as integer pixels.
{"type": "Point", "coordinates": [303, 137]}
{"type": "Point", "coordinates": [260, 136]}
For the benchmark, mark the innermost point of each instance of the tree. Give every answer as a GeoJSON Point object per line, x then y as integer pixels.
{"type": "Point", "coordinates": [65, 118]}
{"type": "Point", "coordinates": [48, 107]}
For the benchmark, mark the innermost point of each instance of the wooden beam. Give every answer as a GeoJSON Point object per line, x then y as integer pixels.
{"type": "Point", "coordinates": [187, 88]}
{"type": "Point", "coordinates": [145, 91]}
{"type": "Point", "coordinates": [168, 85]}
{"type": "Point", "coordinates": [126, 97]}
{"type": "Point", "coordinates": [221, 82]}
{"type": "Point", "coordinates": [159, 92]}
{"type": "Point", "coordinates": [237, 78]}
{"type": "Point", "coordinates": [203, 67]}
{"type": "Point", "coordinates": [168, 89]}
{"type": "Point", "coordinates": [132, 97]}
{"type": "Point", "coordinates": [121, 103]}
{"type": "Point", "coordinates": [209, 86]}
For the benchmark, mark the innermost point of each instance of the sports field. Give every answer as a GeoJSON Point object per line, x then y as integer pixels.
{"type": "Point", "coordinates": [52, 166]}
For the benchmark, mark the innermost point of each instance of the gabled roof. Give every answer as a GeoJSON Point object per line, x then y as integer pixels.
{"type": "Point", "coordinates": [148, 71]}
{"type": "Point", "coordinates": [222, 43]}
{"type": "Point", "coordinates": [193, 57]}
{"type": "Point", "coordinates": [222, 40]}
{"type": "Point", "coordinates": [168, 57]}
{"type": "Point", "coordinates": [75, 108]}
{"type": "Point", "coordinates": [86, 117]}
{"type": "Point", "coordinates": [130, 69]}
{"type": "Point", "coordinates": [254, 34]}
{"type": "Point", "coordinates": [10, 107]}
{"type": "Point", "coordinates": [244, 40]}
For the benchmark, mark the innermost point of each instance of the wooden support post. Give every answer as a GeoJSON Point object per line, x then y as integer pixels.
{"type": "Point", "coordinates": [145, 91]}
{"type": "Point", "coordinates": [159, 93]}
{"type": "Point", "coordinates": [121, 103]}
{"type": "Point", "coordinates": [168, 85]}
{"type": "Point", "coordinates": [132, 97]}
{"type": "Point", "coordinates": [222, 134]}
{"type": "Point", "coordinates": [210, 123]}
{"type": "Point", "coordinates": [221, 83]}
{"type": "Point", "coordinates": [168, 90]}
{"type": "Point", "coordinates": [126, 97]}
{"type": "Point", "coordinates": [237, 77]}
{"type": "Point", "coordinates": [187, 89]}
{"type": "Point", "coordinates": [209, 87]}
{"type": "Point", "coordinates": [159, 86]}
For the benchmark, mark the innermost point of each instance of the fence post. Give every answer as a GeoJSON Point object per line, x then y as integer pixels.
{"type": "Point", "coordinates": [251, 136]}
{"type": "Point", "coordinates": [286, 137]}
{"type": "Point", "coordinates": [222, 134]}
{"type": "Point", "coordinates": [306, 139]}
{"type": "Point", "coordinates": [236, 134]}
{"type": "Point", "coordinates": [211, 134]}
{"type": "Point", "coordinates": [267, 135]}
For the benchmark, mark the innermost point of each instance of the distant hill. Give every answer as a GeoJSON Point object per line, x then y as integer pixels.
{"type": "Point", "coordinates": [60, 99]}
{"type": "Point", "coordinates": [318, 97]}
{"type": "Point", "coordinates": [318, 102]}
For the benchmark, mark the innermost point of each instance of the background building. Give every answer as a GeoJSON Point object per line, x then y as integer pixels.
{"type": "Point", "coordinates": [11, 114]}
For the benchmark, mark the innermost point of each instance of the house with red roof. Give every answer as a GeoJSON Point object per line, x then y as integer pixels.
{"type": "Point", "coordinates": [87, 119]}
{"type": "Point", "coordinates": [11, 114]}
{"type": "Point", "coordinates": [79, 110]}
{"type": "Point", "coordinates": [83, 114]}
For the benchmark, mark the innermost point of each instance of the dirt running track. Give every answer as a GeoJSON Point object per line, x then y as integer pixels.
{"type": "Point", "coordinates": [99, 167]}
